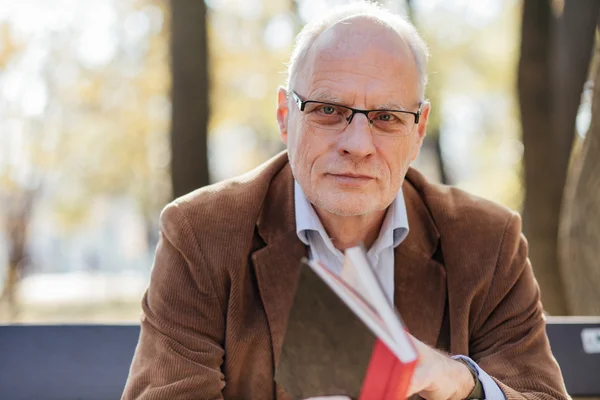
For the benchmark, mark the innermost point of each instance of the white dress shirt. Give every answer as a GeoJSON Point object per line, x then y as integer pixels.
{"type": "Point", "coordinates": [381, 254]}
{"type": "Point", "coordinates": [393, 231]}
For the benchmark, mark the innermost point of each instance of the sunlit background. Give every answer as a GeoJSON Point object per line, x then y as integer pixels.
{"type": "Point", "coordinates": [85, 118]}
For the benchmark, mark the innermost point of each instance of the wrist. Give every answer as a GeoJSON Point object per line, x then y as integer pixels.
{"type": "Point", "coordinates": [464, 379]}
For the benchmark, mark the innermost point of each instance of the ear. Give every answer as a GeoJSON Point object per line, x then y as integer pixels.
{"type": "Point", "coordinates": [282, 113]}
{"type": "Point", "coordinates": [421, 129]}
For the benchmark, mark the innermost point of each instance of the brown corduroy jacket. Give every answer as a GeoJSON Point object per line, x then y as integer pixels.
{"type": "Point", "coordinates": [225, 270]}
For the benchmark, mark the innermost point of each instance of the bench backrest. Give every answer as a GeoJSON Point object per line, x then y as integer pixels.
{"type": "Point", "coordinates": [91, 362]}
{"type": "Point", "coordinates": [575, 343]}
{"type": "Point", "coordinates": [65, 362]}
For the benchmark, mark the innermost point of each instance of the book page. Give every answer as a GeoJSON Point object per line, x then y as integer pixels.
{"type": "Point", "coordinates": [356, 257]}
{"type": "Point", "coordinates": [350, 275]}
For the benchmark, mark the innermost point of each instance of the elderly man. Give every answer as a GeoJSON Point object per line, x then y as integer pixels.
{"type": "Point", "coordinates": [353, 117]}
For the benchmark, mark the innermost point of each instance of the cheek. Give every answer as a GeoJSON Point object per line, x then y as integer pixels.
{"type": "Point", "coordinates": [397, 156]}
{"type": "Point", "coordinates": [309, 147]}
{"type": "Point", "coordinates": [300, 151]}
{"type": "Point", "coordinates": [294, 143]}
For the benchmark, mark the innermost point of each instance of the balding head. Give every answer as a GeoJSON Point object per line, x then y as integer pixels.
{"type": "Point", "coordinates": [355, 20]}
{"type": "Point", "coordinates": [356, 47]}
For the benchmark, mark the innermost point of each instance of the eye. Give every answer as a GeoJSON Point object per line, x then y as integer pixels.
{"type": "Point", "coordinates": [328, 110]}
{"type": "Point", "coordinates": [386, 117]}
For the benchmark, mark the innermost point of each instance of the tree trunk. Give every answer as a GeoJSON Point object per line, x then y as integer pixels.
{"type": "Point", "coordinates": [190, 87]}
{"type": "Point", "coordinates": [542, 191]}
{"type": "Point", "coordinates": [20, 207]}
{"type": "Point", "coordinates": [555, 56]}
{"type": "Point", "coordinates": [572, 53]}
{"type": "Point", "coordinates": [580, 229]}
{"type": "Point", "coordinates": [410, 13]}
{"type": "Point", "coordinates": [432, 140]}
{"type": "Point", "coordinates": [444, 178]}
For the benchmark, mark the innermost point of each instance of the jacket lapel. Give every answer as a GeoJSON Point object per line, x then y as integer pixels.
{"type": "Point", "coordinates": [277, 265]}
{"type": "Point", "coordinates": [420, 281]}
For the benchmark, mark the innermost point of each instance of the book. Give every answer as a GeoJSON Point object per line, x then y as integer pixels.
{"type": "Point", "coordinates": [344, 336]}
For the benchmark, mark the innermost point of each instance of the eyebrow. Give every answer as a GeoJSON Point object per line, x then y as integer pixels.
{"type": "Point", "coordinates": [329, 98]}
{"type": "Point", "coordinates": [390, 106]}
{"type": "Point", "coordinates": [326, 97]}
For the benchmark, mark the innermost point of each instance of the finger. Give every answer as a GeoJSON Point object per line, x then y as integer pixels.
{"type": "Point", "coordinates": [417, 382]}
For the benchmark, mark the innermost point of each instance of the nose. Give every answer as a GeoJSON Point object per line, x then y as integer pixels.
{"type": "Point", "coordinates": [356, 139]}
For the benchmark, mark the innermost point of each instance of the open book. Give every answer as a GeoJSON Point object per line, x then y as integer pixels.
{"type": "Point", "coordinates": [344, 337]}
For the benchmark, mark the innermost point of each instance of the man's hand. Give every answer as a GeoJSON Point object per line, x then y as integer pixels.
{"type": "Point", "coordinates": [439, 377]}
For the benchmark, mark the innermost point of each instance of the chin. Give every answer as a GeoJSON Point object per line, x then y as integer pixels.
{"type": "Point", "coordinates": [348, 205]}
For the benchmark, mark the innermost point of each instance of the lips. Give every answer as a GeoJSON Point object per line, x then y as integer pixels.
{"type": "Point", "coordinates": [351, 180]}
{"type": "Point", "coordinates": [351, 175]}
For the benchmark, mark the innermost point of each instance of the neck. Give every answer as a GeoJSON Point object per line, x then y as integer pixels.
{"type": "Point", "coordinates": [347, 232]}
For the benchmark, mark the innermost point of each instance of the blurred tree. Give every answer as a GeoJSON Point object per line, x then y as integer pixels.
{"type": "Point", "coordinates": [17, 195]}
{"type": "Point", "coordinates": [190, 108]}
{"type": "Point", "coordinates": [17, 220]}
{"type": "Point", "coordinates": [432, 139]}
{"type": "Point", "coordinates": [555, 56]}
{"type": "Point", "coordinates": [122, 109]}
{"type": "Point", "coordinates": [580, 221]}
{"type": "Point", "coordinates": [251, 45]}
{"type": "Point", "coordinates": [101, 136]}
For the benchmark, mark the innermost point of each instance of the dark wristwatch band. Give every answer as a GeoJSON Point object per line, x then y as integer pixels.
{"type": "Point", "coordinates": [477, 392]}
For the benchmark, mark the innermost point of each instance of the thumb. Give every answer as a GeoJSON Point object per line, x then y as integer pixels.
{"type": "Point", "coordinates": [417, 383]}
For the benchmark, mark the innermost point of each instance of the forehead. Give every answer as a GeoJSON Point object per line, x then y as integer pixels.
{"type": "Point", "coordinates": [359, 59]}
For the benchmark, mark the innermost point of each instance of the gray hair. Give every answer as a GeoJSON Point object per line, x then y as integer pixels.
{"type": "Point", "coordinates": [361, 8]}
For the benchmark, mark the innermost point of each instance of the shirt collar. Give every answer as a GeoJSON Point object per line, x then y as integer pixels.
{"type": "Point", "coordinates": [393, 230]}
{"type": "Point", "coordinates": [306, 216]}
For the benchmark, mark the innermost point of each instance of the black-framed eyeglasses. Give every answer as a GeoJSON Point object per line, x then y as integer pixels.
{"type": "Point", "coordinates": [336, 117]}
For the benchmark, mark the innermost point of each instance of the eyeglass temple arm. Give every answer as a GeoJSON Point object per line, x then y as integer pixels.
{"type": "Point", "coordinates": [298, 101]}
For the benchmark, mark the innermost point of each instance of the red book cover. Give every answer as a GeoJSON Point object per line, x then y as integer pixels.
{"type": "Point", "coordinates": [386, 378]}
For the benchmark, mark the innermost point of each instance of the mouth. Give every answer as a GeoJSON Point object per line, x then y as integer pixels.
{"type": "Point", "coordinates": [351, 175]}
{"type": "Point", "coordinates": [352, 179]}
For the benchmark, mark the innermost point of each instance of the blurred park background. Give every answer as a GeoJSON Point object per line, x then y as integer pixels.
{"type": "Point", "coordinates": [111, 108]}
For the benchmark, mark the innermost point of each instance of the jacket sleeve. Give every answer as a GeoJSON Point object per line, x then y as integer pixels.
{"type": "Point", "coordinates": [180, 349]}
{"type": "Point", "coordinates": [509, 339]}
